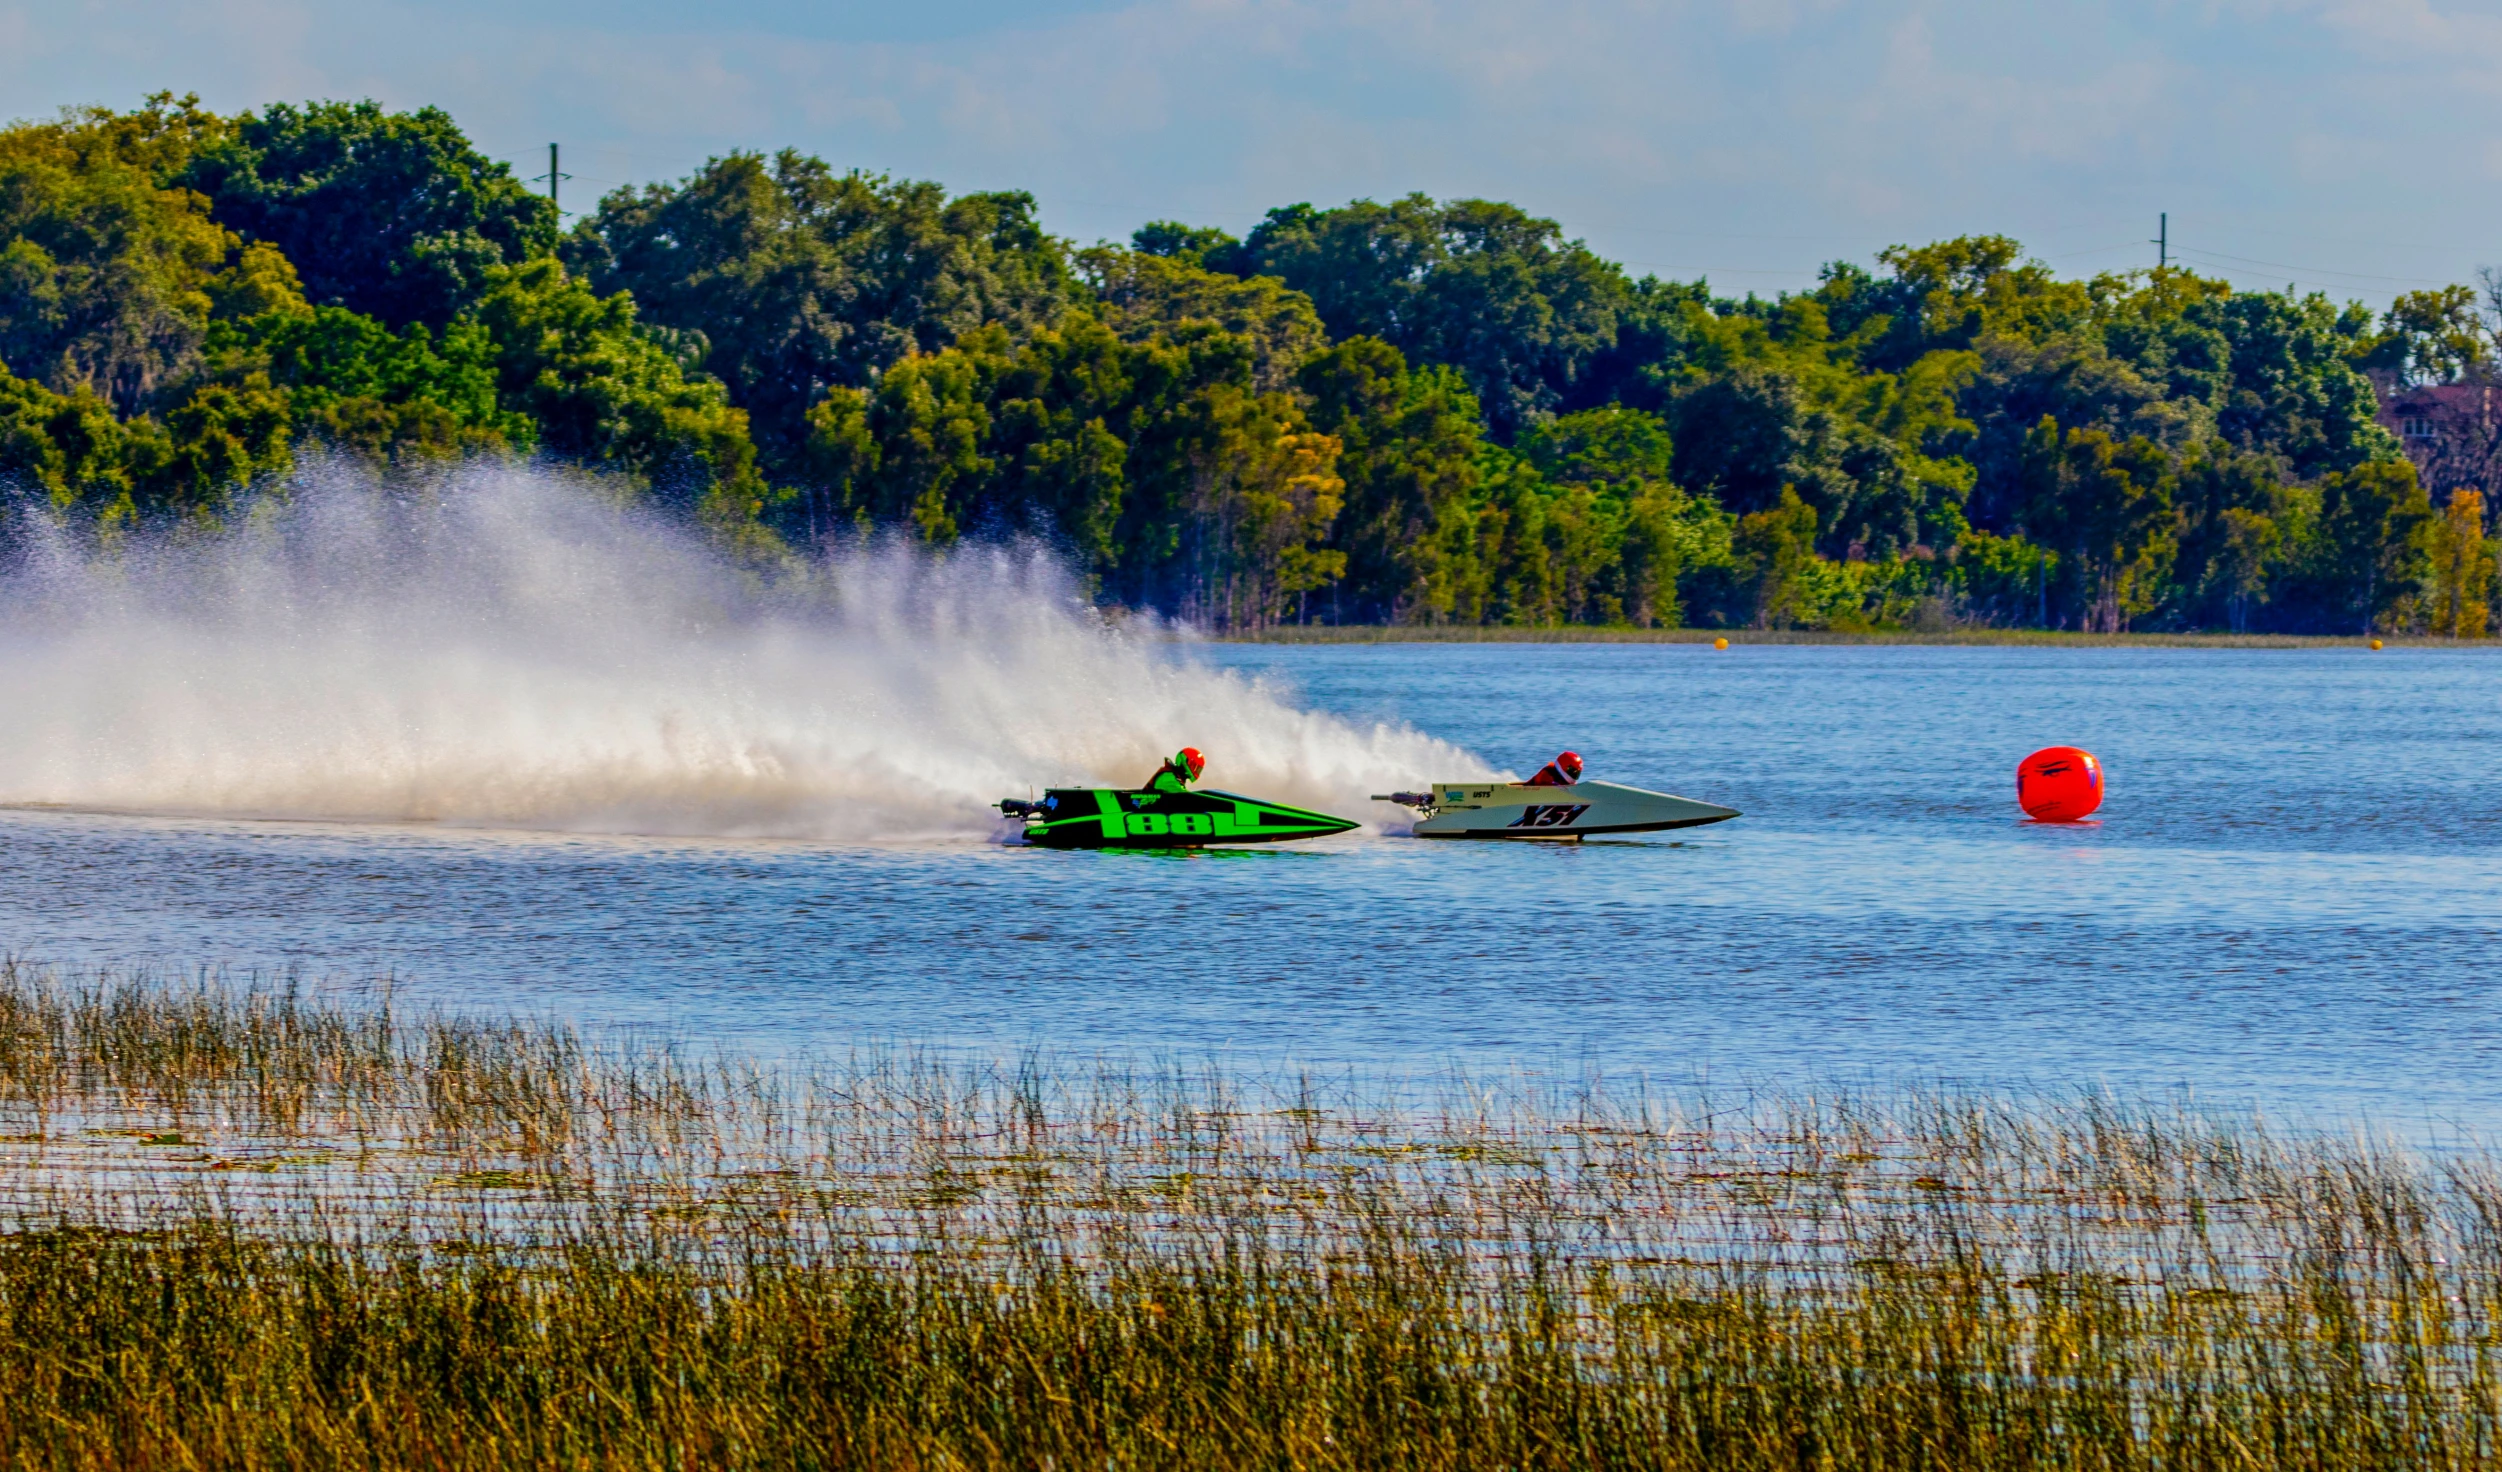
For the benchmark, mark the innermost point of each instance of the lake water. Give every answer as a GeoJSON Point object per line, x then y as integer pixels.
{"type": "Point", "coordinates": [2294, 894]}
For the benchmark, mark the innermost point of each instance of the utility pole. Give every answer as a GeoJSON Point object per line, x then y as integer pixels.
{"type": "Point", "coordinates": [552, 178]}
{"type": "Point", "coordinates": [2162, 241]}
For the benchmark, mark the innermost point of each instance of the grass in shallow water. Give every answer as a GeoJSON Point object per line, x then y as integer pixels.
{"type": "Point", "coordinates": [248, 1228]}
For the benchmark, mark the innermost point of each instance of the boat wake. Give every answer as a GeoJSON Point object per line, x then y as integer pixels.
{"type": "Point", "coordinates": [512, 649]}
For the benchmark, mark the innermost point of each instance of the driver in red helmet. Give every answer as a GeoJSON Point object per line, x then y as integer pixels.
{"type": "Point", "coordinates": [1564, 771]}
{"type": "Point", "coordinates": [1179, 770]}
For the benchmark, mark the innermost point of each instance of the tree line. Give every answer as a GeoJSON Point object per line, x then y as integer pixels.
{"type": "Point", "coordinates": [1416, 412]}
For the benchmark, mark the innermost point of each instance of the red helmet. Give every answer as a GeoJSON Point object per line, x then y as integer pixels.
{"type": "Point", "coordinates": [1570, 765]}
{"type": "Point", "coordinates": [1189, 760]}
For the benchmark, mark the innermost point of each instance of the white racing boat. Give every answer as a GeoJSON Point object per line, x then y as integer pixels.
{"type": "Point", "coordinates": [1518, 810]}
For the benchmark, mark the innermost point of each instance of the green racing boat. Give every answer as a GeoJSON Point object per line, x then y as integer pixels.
{"type": "Point", "coordinates": [1116, 817]}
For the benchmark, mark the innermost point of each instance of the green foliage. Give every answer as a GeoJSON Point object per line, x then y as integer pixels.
{"type": "Point", "coordinates": [606, 395]}
{"type": "Point", "coordinates": [104, 274]}
{"type": "Point", "coordinates": [1283, 498]}
{"type": "Point", "coordinates": [71, 450]}
{"type": "Point", "coordinates": [1776, 546]}
{"type": "Point", "coordinates": [2108, 504]}
{"type": "Point", "coordinates": [1736, 434]}
{"type": "Point", "coordinates": [2438, 336]}
{"type": "Point", "coordinates": [1161, 464]}
{"type": "Point", "coordinates": [261, 281]}
{"type": "Point", "coordinates": [839, 459]}
{"type": "Point", "coordinates": [1602, 447]}
{"type": "Point", "coordinates": [2239, 522]}
{"type": "Point", "coordinates": [1613, 532]}
{"type": "Point", "coordinates": [390, 396]}
{"type": "Point", "coordinates": [1771, 399]}
{"type": "Point", "coordinates": [389, 215]}
{"type": "Point", "coordinates": [1412, 453]}
{"type": "Point", "coordinates": [1414, 412]}
{"type": "Point", "coordinates": [800, 280]}
{"type": "Point", "coordinates": [224, 437]}
{"type": "Point", "coordinates": [1143, 296]}
{"type": "Point", "coordinates": [1957, 292]}
{"type": "Point", "coordinates": [1478, 286]}
{"type": "Point", "coordinates": [2376, 525]}
{"type": "Point", "coordinates": [68, 448]}
{"type": "Point", "coordinates": [2006, 579]}
{"type": "Point", "coordinates": [1069, 408]}
{"type": "Point", "coordinates": [932, 416]}
{"type": "Point", "coordinates": [1191, 245]}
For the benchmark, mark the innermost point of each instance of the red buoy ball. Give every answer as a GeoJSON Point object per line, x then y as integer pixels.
{"type": "Point", "coordinates": [2059, 784]}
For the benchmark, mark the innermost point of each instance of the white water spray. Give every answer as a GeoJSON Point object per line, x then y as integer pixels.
{"type": "Point", "coordinates": [509, 649]}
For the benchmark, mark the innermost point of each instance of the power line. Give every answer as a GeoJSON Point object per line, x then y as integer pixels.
{"type": "Point", "coordinates": [1674, 269]}
{"type": "Point", "coordinates": [2099, 250]}
{"type": "Point", "coordinates": [2304, 235]}
{"type": "Point", "coordinates": [2318, 270]}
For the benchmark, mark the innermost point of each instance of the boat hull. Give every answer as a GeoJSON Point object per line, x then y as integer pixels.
{"type": "Point", "coordinates": [1111, 817]}
{"type": "Point", "coordinates": [1516, 810]}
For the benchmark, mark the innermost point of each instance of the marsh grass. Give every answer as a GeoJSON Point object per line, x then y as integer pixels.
{"type": "Point", "coordinates": [247, 1227]}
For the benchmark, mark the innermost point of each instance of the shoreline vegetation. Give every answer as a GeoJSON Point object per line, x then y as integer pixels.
{"type": "Point", "coordinates": [1597, 634]}
{"type": "Point", "coordinates": [1416, 411]}
{"type": "Point", "coordinates": [254, 1226]}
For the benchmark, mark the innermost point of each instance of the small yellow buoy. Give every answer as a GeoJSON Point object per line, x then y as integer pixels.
{"type": "Point", "coordinates": [1723, 644]}
{"type": "Point", "coordinates": [2375, 643]}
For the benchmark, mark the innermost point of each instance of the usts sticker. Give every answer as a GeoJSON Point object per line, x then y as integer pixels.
{"type": "Point", "coordinates": [1549, 815]}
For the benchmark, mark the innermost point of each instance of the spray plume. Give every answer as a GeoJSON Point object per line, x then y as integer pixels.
{"type": "Point", "coordinates": [507, 648]}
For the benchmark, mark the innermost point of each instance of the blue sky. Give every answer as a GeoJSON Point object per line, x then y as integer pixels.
{"type": "Point", "coordinates": [2346, 146]}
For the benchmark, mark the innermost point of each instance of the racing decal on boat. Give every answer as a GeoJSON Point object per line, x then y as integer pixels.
{"type": "Point", "coordinates": [1520, 810]}
{"type": "Point", "coordinates": [1110, 817]}
{"type": "Point", "coordinates": [1188, 825]}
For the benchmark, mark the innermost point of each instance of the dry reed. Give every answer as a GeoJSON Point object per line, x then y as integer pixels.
{"type": "Point", "coordinates": [244, 1228]}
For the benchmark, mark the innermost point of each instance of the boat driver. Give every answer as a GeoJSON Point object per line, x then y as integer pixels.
{"type": "Point", "coordinates": [1564, 771]}
{"type": "Point", "coordinates": [1179, 770]}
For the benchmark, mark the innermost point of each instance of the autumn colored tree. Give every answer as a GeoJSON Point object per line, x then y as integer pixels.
{"type": "Point", "coordinates": [2462, 568]}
